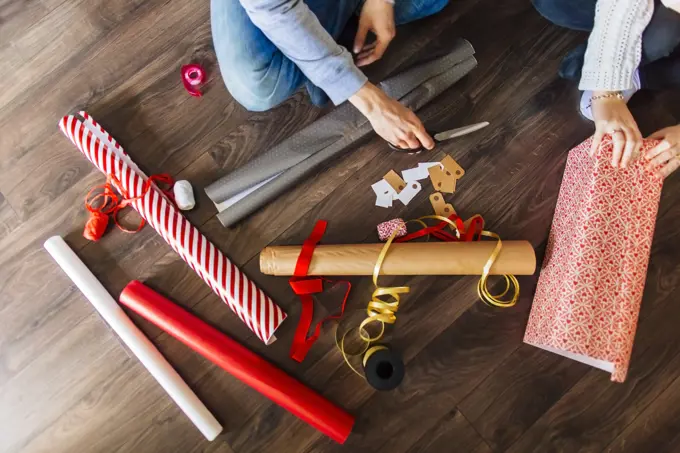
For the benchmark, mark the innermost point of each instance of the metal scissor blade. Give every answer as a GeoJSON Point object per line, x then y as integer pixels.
{"type": "Point", "coordinates": [453, 133]}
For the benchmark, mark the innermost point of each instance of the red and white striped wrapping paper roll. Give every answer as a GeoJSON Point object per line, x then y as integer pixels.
{"type": "Point", "coordinates": [249, 302]}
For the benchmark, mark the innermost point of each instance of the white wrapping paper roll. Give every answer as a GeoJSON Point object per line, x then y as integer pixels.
{"type": "Point", "coordinates": [138, 343]}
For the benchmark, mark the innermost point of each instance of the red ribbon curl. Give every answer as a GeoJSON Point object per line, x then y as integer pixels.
{"type": "Point", "coordinates": [106, 205]}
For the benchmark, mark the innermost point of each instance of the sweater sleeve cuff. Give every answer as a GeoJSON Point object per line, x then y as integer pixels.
{"type": "Point", "coordinates": [607, 81]}
{"type": "Point", "coordinates": [346, 83]}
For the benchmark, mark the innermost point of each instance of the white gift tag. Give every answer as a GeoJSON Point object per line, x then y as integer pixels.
{"type": "Point", "coordinates": [418, 173]}
{"type": "Point", "coordinates": [384, 194]}
{"type": "Point", "coordinates": [384, 201]}
{"type": "Point", "coordinates": [411, 190]}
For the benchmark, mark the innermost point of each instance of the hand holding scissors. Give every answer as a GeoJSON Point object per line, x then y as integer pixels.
{"type": "Point", "coordinates": [445, 135]}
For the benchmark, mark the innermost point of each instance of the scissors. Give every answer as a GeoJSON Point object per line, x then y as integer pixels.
{"type": "Point", "coordinates": [445, 135]}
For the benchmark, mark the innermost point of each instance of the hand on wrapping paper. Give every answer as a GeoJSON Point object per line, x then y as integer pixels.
{"type": "Point", "coordinates": [612, 116]}
{"type": "Point", "coordinates": [376, 16]}
{"type": "Point", "coordinates": [390, 119]}
{"type": "Point", "coordinates": [665, 157]}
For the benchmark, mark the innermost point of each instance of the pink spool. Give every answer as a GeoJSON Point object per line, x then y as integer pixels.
{"type": "Point", "coordinates": [193, 76]}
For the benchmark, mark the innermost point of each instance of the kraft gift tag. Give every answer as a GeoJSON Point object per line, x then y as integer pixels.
{"type": "Point", "coordinates": [444, 180]}
{"type": "Point", "coordinates": [451, 167]}
{"type": "Point", "coordinates": [440, 206]}
{"type": "Point", "coordinates": [440, 181]}
{"type": "Point", "coordinates": [394, 180]}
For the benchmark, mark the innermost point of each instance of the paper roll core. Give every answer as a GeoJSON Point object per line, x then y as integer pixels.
{"type": "Point", "coordinates": [411, 258]}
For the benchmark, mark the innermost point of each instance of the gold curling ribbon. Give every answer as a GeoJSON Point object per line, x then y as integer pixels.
{"type": "Point", "coordinates": [384, 311]}
{"type": "Point", "coordinates": [372, 351]}
{"type": "Point", "coordinates": [381, 310]}
{"type": "Point", "coordinates": [510, 280]}
{"type": "Point", "coordinates": [483, 292]}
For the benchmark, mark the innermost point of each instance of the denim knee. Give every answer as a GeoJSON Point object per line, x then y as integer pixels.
{"type": "Point", "coordinates": [434, 6]}
{"type": "Point", "coordinates": [656, 50]}
{"type": "Point", "coordinates": [254, 96]}
{"type": "Point", "coordinates": [573, 14]}
{"type": "Point", "coordinates": [405, 12]}
{"type": "Point", "coordinates": [662, 35]}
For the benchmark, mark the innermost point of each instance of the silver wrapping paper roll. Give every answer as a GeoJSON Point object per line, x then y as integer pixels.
{"type": "Point", "coordinates": [300, 154]}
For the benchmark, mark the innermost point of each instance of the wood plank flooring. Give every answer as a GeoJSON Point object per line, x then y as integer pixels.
{"type": "Point", "coordinates": [67, 385]}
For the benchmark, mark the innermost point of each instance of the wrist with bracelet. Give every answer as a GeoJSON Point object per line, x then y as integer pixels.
{"type": "Point", "coordinates": [610, 95]}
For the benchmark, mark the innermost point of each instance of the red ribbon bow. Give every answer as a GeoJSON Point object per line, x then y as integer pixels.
{"type": "Point", "coordinates": [111, 204]}
{"type": "Point", "coordinates": [304, 287]}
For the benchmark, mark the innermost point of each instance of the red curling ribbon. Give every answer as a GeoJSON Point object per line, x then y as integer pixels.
{"type": "Point", "coordinates": [193, 76]}
{"type": "Point", "coordinates": [304, 287]}
{"type": "Point", "coordinates": [106, 205]}
{"type": "Point", "coordinates": [473, 231]}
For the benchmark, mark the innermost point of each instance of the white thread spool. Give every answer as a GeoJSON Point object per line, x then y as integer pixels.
{"type": "Point", "coordinates": [184, 195]}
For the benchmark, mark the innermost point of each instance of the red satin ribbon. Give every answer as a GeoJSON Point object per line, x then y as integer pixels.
{"type": "Point", "coordinates": [474, 229]}
{"type": "Point", "coordinates": [304, 287]}
{"type": "Point", "coordinates": [193, 76]}
{"type": "Point", "coordinates": [111, 204]}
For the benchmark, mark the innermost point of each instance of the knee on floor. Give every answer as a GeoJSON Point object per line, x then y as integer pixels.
{"type": "Point", "coordinates": [662, 46]}
{"type": "Point", "coordinates": [255, 96]}
{"type": "Point", "coordinates": [436, 5]}
{"type": "Point", "coordinates": [554, 10]}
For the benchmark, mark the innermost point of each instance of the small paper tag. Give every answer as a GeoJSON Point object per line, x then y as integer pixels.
{"type": "Point", "coordinates": [420, 172]}
{"type": "Point", "coordinates": [451, 167]}
{"type": "Point", "coordinates": [440, 206]}
{"type": "Point", "coordinates": [410, 191]}
{"type": "Point", "coordinates": [394, 180]}
{"type": "Point", "coordinates": [467, 223]}
{"type": "Point", "coordinates": [384, 201]}
{"type": "Point", "coordinates": [441, 181]}
{"type": "Point", "coordinates": [384, 194]}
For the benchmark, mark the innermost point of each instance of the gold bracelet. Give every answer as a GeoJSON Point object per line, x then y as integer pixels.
{"type": "Point", "coordinates": [614, 94]}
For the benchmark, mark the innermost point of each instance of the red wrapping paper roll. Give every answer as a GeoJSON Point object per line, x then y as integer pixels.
{"type": "Point", "coordinates": [239, 361]}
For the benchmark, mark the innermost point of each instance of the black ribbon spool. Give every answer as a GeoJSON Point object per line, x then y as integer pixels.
{"type": "Point", "coordinates": [384, 368]}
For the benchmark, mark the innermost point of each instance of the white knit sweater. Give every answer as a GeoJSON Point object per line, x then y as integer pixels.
{"type": "Point", "coordinates": [615, 44]}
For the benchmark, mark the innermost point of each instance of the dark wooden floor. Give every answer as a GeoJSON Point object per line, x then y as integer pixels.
{"type": "Point", "coordinates": [67, 385]}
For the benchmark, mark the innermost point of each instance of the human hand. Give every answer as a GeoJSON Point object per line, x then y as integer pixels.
{"type": "Point", "coordinates": [665, 157]}
{"type": "Point", "coordinates": [376, 16]}
{"type": "Point", "coordinates": [390, 119]}
{"type": "Point", "coordinates": [611, 116]}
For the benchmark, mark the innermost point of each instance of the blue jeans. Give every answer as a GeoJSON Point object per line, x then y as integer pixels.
{"type": "Point", "coordinates": [659, 40]}
{"type": "Point", "coordinates": [255, 71]}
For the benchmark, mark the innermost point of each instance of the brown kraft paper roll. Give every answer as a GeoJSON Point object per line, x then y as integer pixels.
{"type": "Point", "coordinates": [411, 258]}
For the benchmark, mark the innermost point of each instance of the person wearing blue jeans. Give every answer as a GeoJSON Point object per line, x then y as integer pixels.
{"type": "Point", "coordinates": [633, 44]}
{"type": "Point", "coordinates": [267, 49]}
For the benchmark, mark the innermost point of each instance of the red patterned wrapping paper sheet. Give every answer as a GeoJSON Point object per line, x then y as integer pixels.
{"type": "Point", "coordinates": [590, 288]}
{"type": "Point", "coordinates": [249, 302]}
